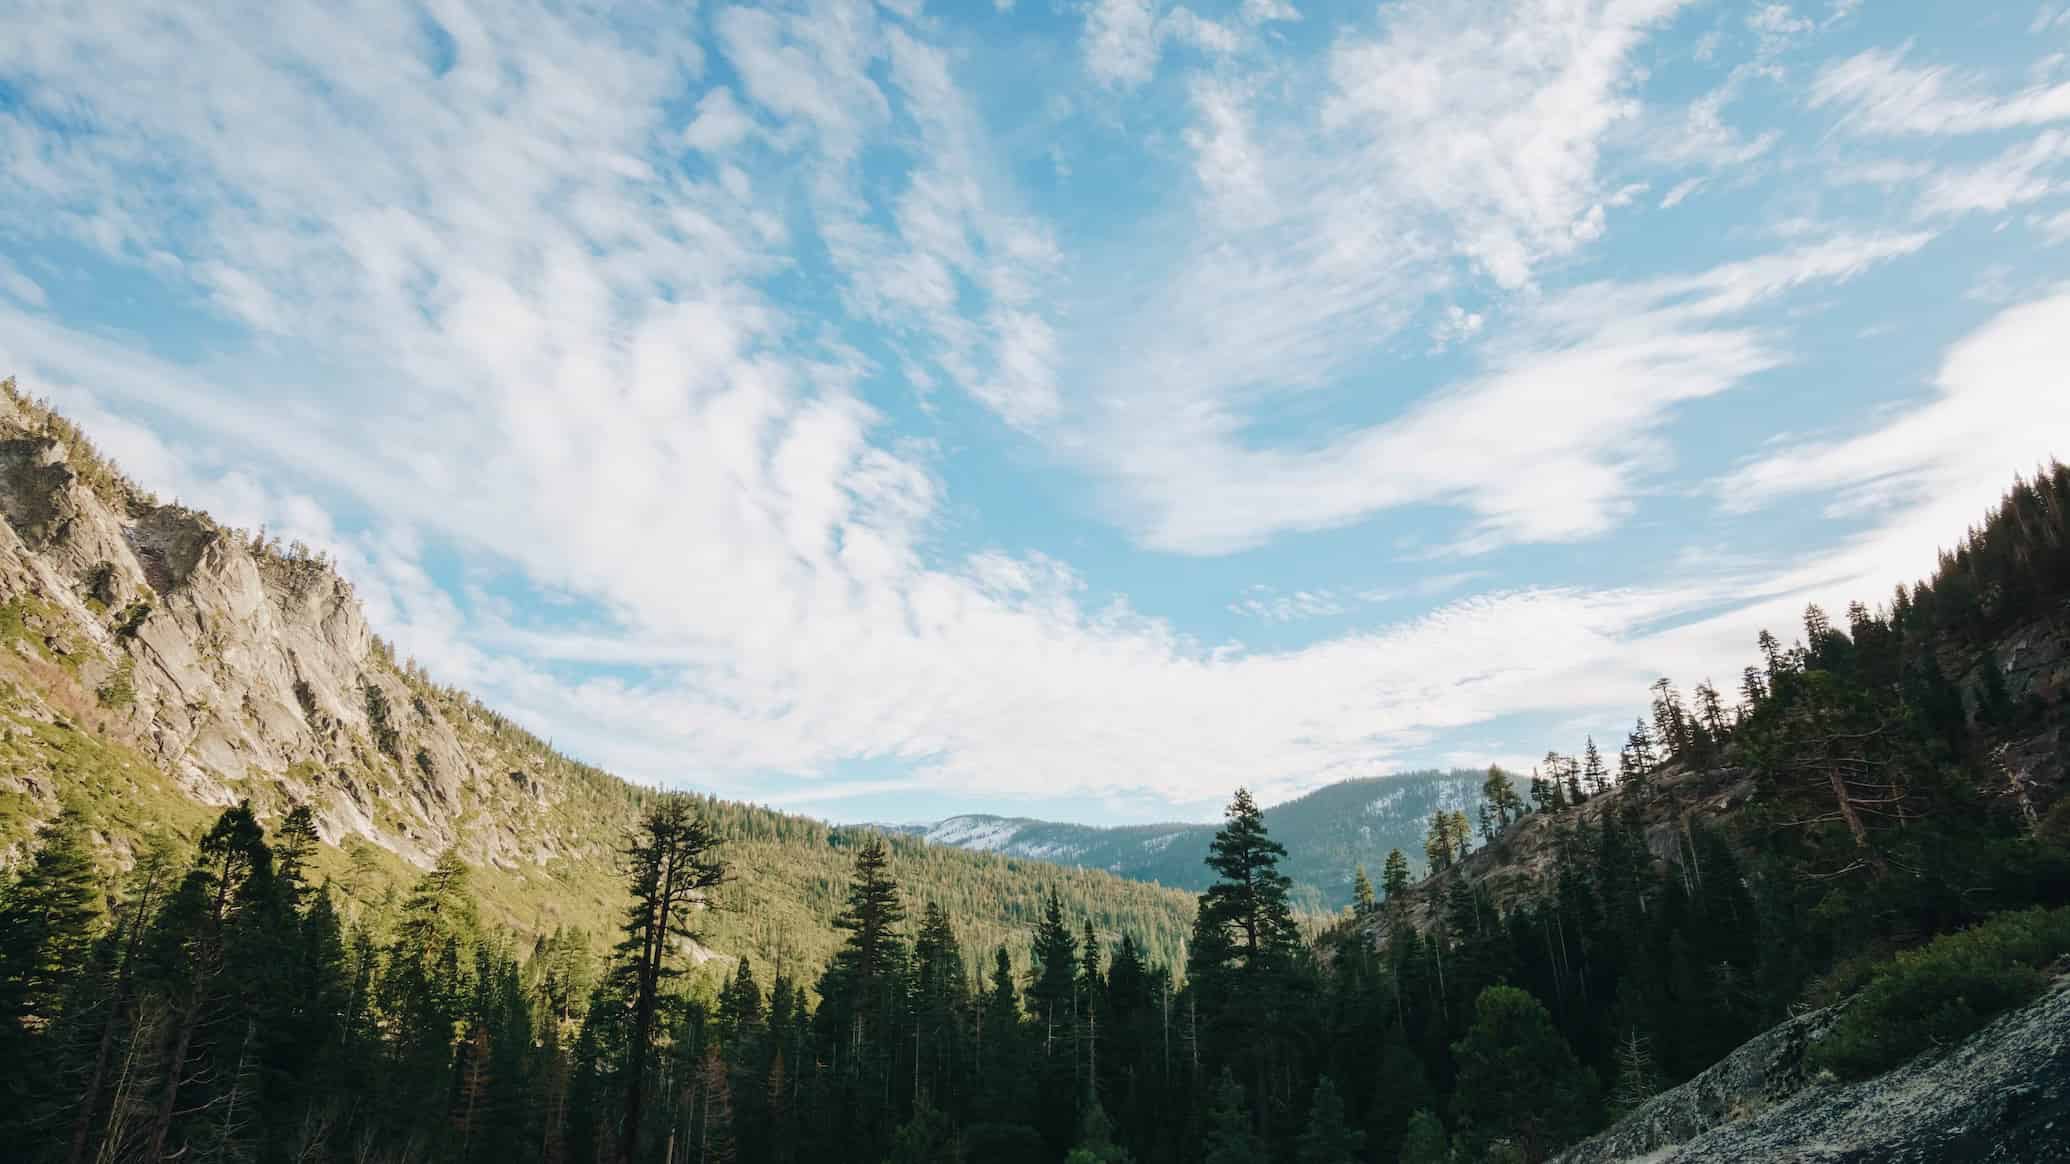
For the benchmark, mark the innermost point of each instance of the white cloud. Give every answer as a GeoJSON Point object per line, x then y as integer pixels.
{"type": "Point", "coordinates": [23, 288]}
{"type": "Point", "coordinates": [1491, 117]}
{"type": "Point", "coordinates": [719, 125]}
{"type": "Point", "coordinates": [1121, 42]}
{"type": "Point", "coordinates": [1269, 604]}
{"type": "Point", "coordinates": [2018, 176]}
{"type": "Point", "coordinates": [1579, 394]}
{"type": "Point", "coordinates": [1124, 39]}
{"type": "Point", "coordinates": [1455, 325]}
{"type": "Point", "coordinates": [1267, 11]}
{"type": "Point", "coordinates": [1878, 93]}
{"type": "Point", "coordinates": [1997, 405]}
{"type": "Point", "coordinates": [1680, 193]}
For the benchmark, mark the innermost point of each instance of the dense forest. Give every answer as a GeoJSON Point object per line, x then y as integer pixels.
{"type": "Point", "coordinates": [218, 1005]}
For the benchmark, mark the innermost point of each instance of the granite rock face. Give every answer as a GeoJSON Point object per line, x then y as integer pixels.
{"type": "Point", "coordinates": [2002, 1096]}
{"type": "Point", "coordinates": [244, 670]}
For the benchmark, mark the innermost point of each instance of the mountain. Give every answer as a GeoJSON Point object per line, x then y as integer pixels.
{"type": "Point", "coordinates": [1328, 834]}
{"type": "Point", "coordinates": [156, 666]}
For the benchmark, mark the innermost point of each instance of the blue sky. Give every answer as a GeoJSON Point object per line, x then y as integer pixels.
{"type": "Point", "coordinates": [1065, 408]}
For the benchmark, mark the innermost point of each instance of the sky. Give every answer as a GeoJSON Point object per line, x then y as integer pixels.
{"type": "Point", "coordinates": [1072, 408]}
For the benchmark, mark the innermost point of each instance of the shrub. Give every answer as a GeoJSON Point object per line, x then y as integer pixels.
{"type": "Point", "coordinates": [1945, 991]}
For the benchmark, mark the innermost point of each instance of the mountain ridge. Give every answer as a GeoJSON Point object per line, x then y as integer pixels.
{"type": "Point", "coordinates": [1328, 833]}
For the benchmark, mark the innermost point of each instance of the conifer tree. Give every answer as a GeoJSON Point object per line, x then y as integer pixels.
{"type": "Point", "coordinates": [1594, 775]}
{"type": "Point", "coordinates": [1670, 719]}
{"type": "Point", "coordinates": [1638, 1080]}
{"type": "Point", "coordinates": [49, 918]}
{"type": "Point", "coordinates": [1244, 941]}
{"type": "Point", "coordinates": [1500, 794]}
{"type": "Point", "coordinates": [1394, 875]}
{"type": "Point", "coordinates": [1771, 653]}
{"type": "Point", "coordinates": [1245, 912]}
{"type": "Point", "coordinates": [673, 867]}
{"type": "Point", "coordinates": [1437, 843]}
{"type": "Point", "coordinates": [1425, 1141]}
{"type": "Point", "coordinates": [1518, 1079]}
{"type": "Point", "coordinates": [1229, 1139]}
{"type": "Point", "coordinates": [929, 1137]}
{"type": "Point", "coordinates": [1056, 955]}
{"type": "Point", "coordinates": [188, 961]}
{"type": "Point", "coordinates": [1096, 1140]}
{"type": "Point", "coordinates": [1710, 712]}
{"type": "Point", "coordinates": [1363, 904]}
{"type": "Point", "coordinates": [1326, 1139]}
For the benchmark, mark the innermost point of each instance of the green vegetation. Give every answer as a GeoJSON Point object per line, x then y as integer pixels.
{"type": "Point", "coordinates": [119, 690]}
{"type": "Point", "coordinates": [1942, 993]}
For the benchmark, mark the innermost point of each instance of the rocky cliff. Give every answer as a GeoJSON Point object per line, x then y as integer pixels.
{"type": "Point", "coordinates": [2001, 1095]}
{"type": "Point", "coordinates": [243, 670]}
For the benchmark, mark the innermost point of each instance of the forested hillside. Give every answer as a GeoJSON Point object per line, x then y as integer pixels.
{"type": "Point", "coordinates": [1328, 834]}
{"type": "Point", "coordinates": [158, 666]}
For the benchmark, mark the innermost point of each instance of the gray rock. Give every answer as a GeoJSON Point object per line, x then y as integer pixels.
{"type": "Point", "coordinates": [2001, 1096]}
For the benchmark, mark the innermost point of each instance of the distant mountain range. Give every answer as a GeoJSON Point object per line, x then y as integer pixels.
{"type": "Point", "coordinates": [1327, 833]}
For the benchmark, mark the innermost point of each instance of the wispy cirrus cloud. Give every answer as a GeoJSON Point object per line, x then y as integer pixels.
{"type": "Point", "coordinates": [1878, 92]}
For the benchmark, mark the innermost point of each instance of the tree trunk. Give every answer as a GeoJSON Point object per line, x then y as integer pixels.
{"type": "Point", "coordinates": [1838, 780]}
{"type": "Point", "coordinates": [176, 1065]}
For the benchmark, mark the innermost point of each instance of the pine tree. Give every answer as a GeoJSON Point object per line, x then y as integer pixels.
{"type": "Point", "coordinates": [1326, 1139]}
{"type": "Point", "coordinates": [1437, 843]}
{"type": "Point", "coordinates": [1394, 875]}
{"type": "Point", "coordinates": [740, 1006]}
{"type": "Point", "coordinates": [1639, 746]}
{"type": "Point", "coordinates": [49, 919]}
{"type": "Point", "coordinates": [1244, 939]}
{"type": "Point", "coordinates": [1500, 794]}
{"type": "Point", "coordinates": [1247, 904]}
{"type": "Point", "coordinates": [1671, 723]}
{"type": "Point", "coordinates": [927, 1138]}
{"type": "Point", "coordinates": [1771, 654]}
{"type": "Point", "coordinates": [1363, 904]}
{"type": "Point", "coordinates": [1056, 956]}
{"type": "Point", "coordinates": [1229, 1139]}
{"type": "Point", "coordinates": [1518, 1079]}
{"type": "Point", "coordinates": [1096, 1140]}
{"type": "Point", "coordinates": [1710, 712]}
{"type": "Point", "coordinates": [1637, 1078]}
{"type": "Point", "coordinates": [1401, 1089]}
{"type": "Point", "coordinates": [712, 1140]}
{"type": "Point", "coordinates": [1425, 1141]}
{"type": "Point", "coordinates": [1594, 775]}
{"type": "Point", "coordinates": [673, 867]}
{"type": "Point", "coordinates": [188, 959]}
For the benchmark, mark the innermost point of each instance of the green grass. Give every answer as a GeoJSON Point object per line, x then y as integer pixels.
{"type": "Point", "coordinates": [1943, 992]}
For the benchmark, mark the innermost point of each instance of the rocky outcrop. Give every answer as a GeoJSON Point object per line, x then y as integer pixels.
{"type": "Point", "coordinates": [244, 670]}
{"type": "Point", "coordinates": [2001, 1096]}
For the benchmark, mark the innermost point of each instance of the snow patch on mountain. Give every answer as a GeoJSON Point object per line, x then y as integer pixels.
{"type": "Point", "coordinates": [984, 834]}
